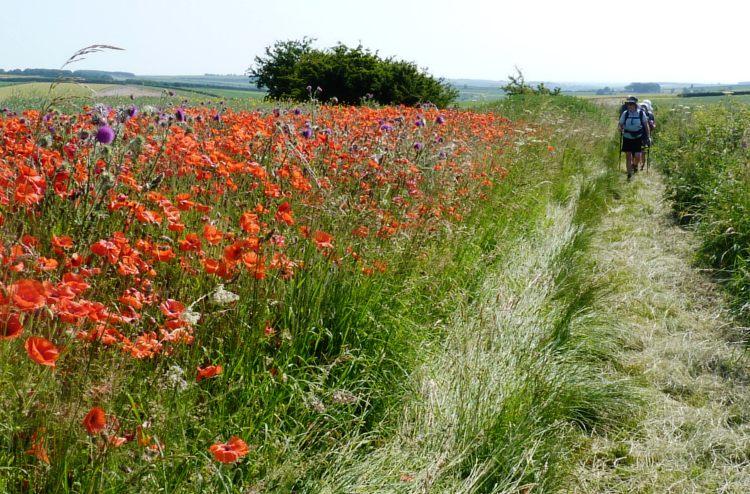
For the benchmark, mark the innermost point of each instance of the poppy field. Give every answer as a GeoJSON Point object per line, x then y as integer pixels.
{"type": "Point", "coordinates": [187, 288]}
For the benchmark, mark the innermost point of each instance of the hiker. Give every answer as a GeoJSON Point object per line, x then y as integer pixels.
{"type": "Point", "coordinates": [648, 110]}
{"type": "Point", "coordinates": [634, 129]}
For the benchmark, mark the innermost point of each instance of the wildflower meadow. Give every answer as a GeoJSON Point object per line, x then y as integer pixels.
{"type": "Point", "coordinates": [198, 297]}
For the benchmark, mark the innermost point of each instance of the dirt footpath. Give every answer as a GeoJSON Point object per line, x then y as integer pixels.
{"type": "Point", "coordinates": [681, 349]}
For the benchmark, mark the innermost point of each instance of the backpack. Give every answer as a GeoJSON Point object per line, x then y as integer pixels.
{"type": "Point", "coordinates": [630, 121]}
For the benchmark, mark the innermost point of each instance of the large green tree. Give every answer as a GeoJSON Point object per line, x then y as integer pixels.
{"type": "Point", "coordinates": [292, 69]}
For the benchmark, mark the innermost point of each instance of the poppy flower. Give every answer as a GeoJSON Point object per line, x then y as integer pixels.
{"type": "Point", "coordinates": [37, 445]}
{"type": "Point", "coordinates": [42, 351]}
{"type": "Point", "coordinates": [212, 234]}
{"type": "Point", "coordinates": [230, 452]}
{"type": "Point", "coordinates": [284, 213]}
{"type": "Point", "coordinates": [28, 295]}
{"type": "Point", "coordinates": [172, 308]}
{"type": "Point", "coordinates": [210, 371]}
{"type": "Point", "coordinates": [10, 325]}
{"type": "Point", "coordinates": [95, 420]}
{"type": "Point", "coordinates": [322, 240]}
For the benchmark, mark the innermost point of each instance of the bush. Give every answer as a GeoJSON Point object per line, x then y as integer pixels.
{"type": "Point", "coordinates": [293, 69]}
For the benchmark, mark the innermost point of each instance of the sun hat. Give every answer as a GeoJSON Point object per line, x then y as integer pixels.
{"type": "Point", "coordinates": [632, 99]}
{"type": "Point", "coordinates": [647, 104]}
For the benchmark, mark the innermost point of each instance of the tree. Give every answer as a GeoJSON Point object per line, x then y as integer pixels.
{"type": "Point", "coordinates": [292, 69]}
{"type": "Point", "coordinates": [643, 87]}
{"type": "Point", "coordinates": [518, 85]}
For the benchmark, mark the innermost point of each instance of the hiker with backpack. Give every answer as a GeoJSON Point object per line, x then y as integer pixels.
{"type": "Point", "coordinates": [648, 110]}
{"type": "Point", "coordinates": [635, 131]}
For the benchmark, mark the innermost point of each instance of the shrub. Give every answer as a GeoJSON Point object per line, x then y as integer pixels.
{"type": "Point", "coordinates": [293, 69]}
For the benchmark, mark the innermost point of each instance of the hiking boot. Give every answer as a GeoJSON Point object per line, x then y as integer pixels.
{"type": "Point", "coordinates": [630, 176]}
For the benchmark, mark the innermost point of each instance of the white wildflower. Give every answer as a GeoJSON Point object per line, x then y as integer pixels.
{"type": "Point", "coordinates": [175, 377]}
{"type": "Point", "coordinates": [191, 317]}
{"type": "Point", "coordinates": [223, 297]}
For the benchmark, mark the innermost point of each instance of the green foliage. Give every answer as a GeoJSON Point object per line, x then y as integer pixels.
{"type": "Point", "coordinates": [293, 69]}
{"type": "Point", "coordinates": [643, 87]}
{"type": "Point", "coordinates": [518, 85]}
{"type": "Point", "coordinates": [705, 157]}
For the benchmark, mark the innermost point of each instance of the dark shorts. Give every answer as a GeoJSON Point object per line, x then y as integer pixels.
{"type": "Point", "coordinates": [632, 145]}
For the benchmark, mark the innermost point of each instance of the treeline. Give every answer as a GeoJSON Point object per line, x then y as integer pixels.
{"type": "Point", "coordinates": [55, 73]}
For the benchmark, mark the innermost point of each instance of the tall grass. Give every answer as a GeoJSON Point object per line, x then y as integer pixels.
{"type": "Point", "coordinates": [320, 357]}
{"type": "Point", "coordinates": [704, 154]}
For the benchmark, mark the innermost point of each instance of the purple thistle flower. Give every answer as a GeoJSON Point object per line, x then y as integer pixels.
{"type": "Point", "coordinates": [386, 127]}
{"type": "Point", "coordinates": [306, 133]}
{"type": "Point", "coordinates": [440, 120]}
{"type": "Point", "coordinates": [418, 146]}
{"type": "Point", "coordinates": [217, 117]}
{"type": "Point", "coordinates": [171, 93]}
{"type": "Point", "coordinates": [105, 134]}
{"type": "Point", "coordinates": [309, 88]}
{"type": "Point", "coordinates": [335, 100]}
{"type": "Point", "coordinates": [180, 115]}
{"type": "Point", "coordinates": [319, 89]}
{"type": "Point", "coordinates": [744, 144]}
{"type": "Point", "coordinates": [132, 111]}
{"type": "Point", "coordinates": [297, 111]}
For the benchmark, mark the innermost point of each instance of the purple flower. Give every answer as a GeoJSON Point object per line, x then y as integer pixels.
{"type": "Point", "coordinates": [171, 93]}
{"type": "Point", "coordinates": [418, 146]}
{"type": "Point", "coordinates": [217, 117]}
{"type": "Point", "coordinates": [319, 89]}
{"type": "Point", "coordinates": [440, 120]}
{"type": "Point", "coordinates": [744, 144]}
{"type": "Point", "coordinates": [297, 111]}
{"type": "Point", "coordinates": [105, 134]}
{"type": "Point", "coordinates": [132, 111]}
{"type": "Point", "coordinates": [335, 100]}
{"type": "Point", "coordinates": [180, 114]}
{"type": "Point", "coordinates": [386, 127]}
{"type": "Point", "coordinates": [309, 88]}
{"type": "Point", "coordinates": [306, 133]}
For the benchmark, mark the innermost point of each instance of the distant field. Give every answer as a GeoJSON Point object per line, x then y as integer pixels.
{"type": "Point", "coordinates": [42, 88]}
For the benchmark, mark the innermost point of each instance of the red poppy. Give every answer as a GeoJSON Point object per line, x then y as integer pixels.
{"type": "Point", "coordinates": [172, 308]}
{"type": "Point", "coordinates": [42, 351]}
{"type": "Point", "coordinates": [284, 214]}
{"type": "Point", "coordinates": [212, 234]}
{"type": "Point", "coordinates": [37, 445]}
{"type": "Point", "coordinates": [249, 222]}
{"type": "Point", "coordinates": [46, 264]}
{"type": "Point", "coordinates": [10, 325]}
{"type": "Point", "coordinates": [230, 452]}
{"type": "Point", "coordinates": [95, 420]}
{"type": "Point", "coordinates": [322, 240]}
{"type": "Point", "coordinates": [28, 295]}
{"type": "Point", "coordinates": [210, 371]}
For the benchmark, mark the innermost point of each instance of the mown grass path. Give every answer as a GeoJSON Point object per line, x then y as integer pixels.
{"type": "Point", "coordinates": [692, 432]}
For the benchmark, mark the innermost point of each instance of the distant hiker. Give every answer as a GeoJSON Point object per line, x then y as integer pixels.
{"type": "Point", "coordinates": [648, 110]}
{"type": "Point", "coordinates": [635, 131]}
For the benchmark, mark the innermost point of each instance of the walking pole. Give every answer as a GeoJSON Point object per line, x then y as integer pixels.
{"type": "Point", "coordinates": [648, 158]}
{"type": "Point", "coordinates": [619, 158]}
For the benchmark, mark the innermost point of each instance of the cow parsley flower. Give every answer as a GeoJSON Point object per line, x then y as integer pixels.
{"type": "Point", "coordinates": [223, 297]}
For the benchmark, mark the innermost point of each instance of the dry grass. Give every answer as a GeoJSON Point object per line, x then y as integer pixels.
{"type": "Point", "coordinates": [693, 432]}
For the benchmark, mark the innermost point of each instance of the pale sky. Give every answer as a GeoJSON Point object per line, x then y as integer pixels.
{"type": "Point", "coordinates": [549, 40]}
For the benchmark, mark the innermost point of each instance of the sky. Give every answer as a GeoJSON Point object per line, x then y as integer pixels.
{"type": "Point", "coordinates": [548, 40]}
